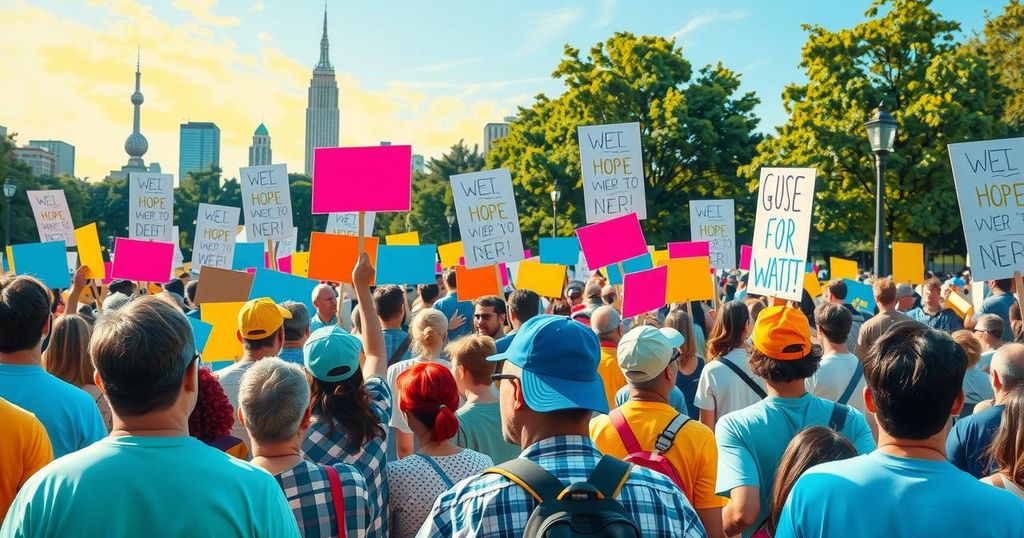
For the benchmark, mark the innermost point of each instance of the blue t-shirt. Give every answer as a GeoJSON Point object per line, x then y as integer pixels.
{"type": "Point", "coordinates": [292, 355]}
{"type": "Point", "coordinates": [316, 323]}
{"type": "Point", "coordinates": [1000, 306]}
{"type": "Point", "coordinates": [448, 305]}
{"type": "Point", "coordinates": [751, 441]}
{"type": "Point", "coordinates": [156, 483]}
{"type": "Point", "coordinates": [968, 441]}
{"type": "Point", "coordinates": [675, 399]}
{"type": "Point", "coordinates": [882, 495]}
{"type": "Point", "coordinates": [68, 413]}
{"type": "Point", "coordinates": [392, 339]}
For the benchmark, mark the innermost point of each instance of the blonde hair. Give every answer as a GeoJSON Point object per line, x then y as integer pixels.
{"type": "Point", "coordinates": [471, 352]}
{"type": "Point", "coordinates": [428, 330]}
{"type": "Point", "coordinates": [970, 345]}
{"type": "Point", "coordinates": [67, 356]}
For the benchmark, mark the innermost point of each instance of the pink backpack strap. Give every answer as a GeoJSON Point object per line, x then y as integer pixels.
{"type": "Point", "coordinates": [338, 496]}
{"type": "Point", "coordinates": [625, 432]}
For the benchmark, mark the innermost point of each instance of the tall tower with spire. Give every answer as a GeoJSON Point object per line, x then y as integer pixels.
{"type": "Point", "coordinates": [259, 151]}
{"type": "Point", "coordinates": [135, 145]}
{"type": "Point", "coordinates": [322, 116]}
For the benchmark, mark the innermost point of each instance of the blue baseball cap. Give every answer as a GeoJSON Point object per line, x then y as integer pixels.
{"type": "Point", "coordinates": [331, 354]}
{"type": "Point", "coordinates": [559, 358]}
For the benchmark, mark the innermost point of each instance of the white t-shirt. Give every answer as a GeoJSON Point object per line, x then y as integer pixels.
{"type": "Point", "coordinates": [230, 379]}
{"type": "Point", "coordinates": [832, 378]}
{"type": "Point", "coordinates": [398, 418]}
{"type": "Point", "coordinates": [415, 485]}
{"type": "Point", "coordinates": [721, 390]}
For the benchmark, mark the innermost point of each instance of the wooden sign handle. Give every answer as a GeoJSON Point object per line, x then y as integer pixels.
{"type": "Point", "coordinates": [497, 274]}
{"type": "Point", "coordinates": [362, 231]}
{"type": "Point", "coordinates": [271, 254]}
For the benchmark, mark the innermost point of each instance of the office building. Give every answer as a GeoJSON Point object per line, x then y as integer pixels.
{"type": "Point", "coordinates": [259, 151]}
{"type": "Point", "coordinates": [64, 152]}
{"type": "Point", "coordinates": [492, 133]}
{"type": "Point", "coordinates": [418, 164]}
{"type": "Point", "coordinates": [198, 147]}
{"type": "Point", "coordinates": [322, 116]}
{"type": "Point", "coordinates": [40, 160]}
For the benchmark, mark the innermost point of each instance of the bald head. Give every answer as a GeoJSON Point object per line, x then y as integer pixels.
{"type": "Point", "coordinates": [325, 300]}
{"type": "Point", "coordinates": [608, 294]}
{"type": "Point", "coordinates": [1007, 368]}
{"type": "Point", "coordinates": [606, 322]}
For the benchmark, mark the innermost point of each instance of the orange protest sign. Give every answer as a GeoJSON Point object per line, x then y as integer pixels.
{"type": "Point", "coordinates": [689, 280]}
{"type": "Point", "coordinates": [332, 257]}
{"type": "Point", "coordinates": [223, 343]}
{"type": "Point", "coordinates": [450, 254]}
{"type": "Point", "coordinates": [840, 268]}
{"type": "Point", "coordinates": [476, 283]}
{"type": "Point", "coordinates": [907, 263]}
{"type": "Point", "coordinates": [544, 278]}
{"type": "Point", "coordinates": [407, 238]}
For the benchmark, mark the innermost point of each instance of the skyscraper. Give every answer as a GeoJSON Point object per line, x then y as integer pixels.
{"type": "Point", "coordinates": [322, 107]}
{"type": "Point", "coordinates": [259, 151]}
{"type": "Point", "coordinates": [492, 133]}
{"type": "Point", "coordinates": [136, 145]}
{"type": "Point", "coordinates": [64, 152]}
{"type": "Point", "coordinates": [40, 160]}
{"type": "Point", "coordinates": [198, 147]}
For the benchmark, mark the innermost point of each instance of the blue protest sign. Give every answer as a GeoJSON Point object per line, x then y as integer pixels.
{"type": "Point", "coordinates": [281, 287]}
{"type": "Point", "coordinates": [248, 255]}
{"type": "Point", "coordinates": [200, 332]}
{"type": "Point", "coordinates": [858, 295]}
{"type": "Point", "coordinates": [560, 250]}
{"type": "Point", "coordinates": [632, 265]}
{"type": "Point", "coordinates": [46, 261]}
{"type": "Point", "coordinates": [406, 264]}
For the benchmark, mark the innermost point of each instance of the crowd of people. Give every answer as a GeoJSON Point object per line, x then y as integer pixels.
{"type": "Point", "coordinates": [385, 411]}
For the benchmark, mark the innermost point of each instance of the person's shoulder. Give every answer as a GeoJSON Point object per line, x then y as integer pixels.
{"type": "Point", "coordinates": [696, 428]}
{"type": "Point", "coordinates": [18, 418]}
{"type": "Point", "coordinates": [980, 419]}
{"type": "Point", "coordinates": [477, 458]}
{"type": "Point", "coordinates": [483, 486]}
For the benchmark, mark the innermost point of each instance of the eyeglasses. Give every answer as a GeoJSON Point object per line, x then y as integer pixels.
{"type": "Point", "coordinates": [498, 376]}
{"type": "Point", "coordinates": [976, 331]}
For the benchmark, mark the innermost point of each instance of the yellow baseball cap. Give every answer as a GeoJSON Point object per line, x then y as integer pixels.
{"type": "Point", "coordinates": [260, 318]}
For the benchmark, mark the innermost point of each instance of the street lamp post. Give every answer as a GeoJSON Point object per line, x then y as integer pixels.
{"type": "Point", "coordinates": [556, 195]}
{"type": "Point", "coordinates": [451, 220]}
{"type": "Point", "coordinates": [881, 131]}
{"type": "Point", "coordinates": [10, 187]}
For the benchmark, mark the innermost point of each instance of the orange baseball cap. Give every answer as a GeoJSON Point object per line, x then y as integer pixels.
{"type": "Point", "coordinates": [782, 333]}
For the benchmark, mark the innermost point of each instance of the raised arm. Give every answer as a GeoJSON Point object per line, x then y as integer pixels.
{"type": "Point", "coordinates": [376, 363]}
{"type": "Point", "coordinates": [77, 285]}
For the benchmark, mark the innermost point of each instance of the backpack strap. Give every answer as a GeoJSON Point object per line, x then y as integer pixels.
{"type": "Point", "coordinates": [629, 440]}
{"type": "Point", "coordinates": [852, 384]}
{"type": "Point", "coordinates": [400, 350]}
{"type": "Point", "coordinates": [536, 480]}
{"type": "Point", "coordinates": [609, 476]}
{"type": "Point", "coordinates": [668, 435]}
{"type": "Point", "coordinates": [437, 469]}
{"type": "Point", "coordinates": [746, 378]}
{"type": "Point", "coordinates": [338, 497]}
{"type": "Point", "coordinates": [838, 418]}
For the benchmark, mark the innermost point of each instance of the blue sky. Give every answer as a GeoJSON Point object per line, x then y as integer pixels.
{"type": "Point", "coordinates": [425, 73]}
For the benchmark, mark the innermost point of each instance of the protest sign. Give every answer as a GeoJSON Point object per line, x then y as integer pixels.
{"type": "Point", "coordinates": [223, 343]}
{"type": "Point", "coordinates": [907, 263]}
{"type": "Point", "coordinates": [281, 287]}
{"type": "Point", "coordinates": [476, 283]}
{"type": "Point", "coordinates": [150, 206]}
{"type": "Point", "coordinates": [689, 280]}
{"type": "Point", "coordinates": [659, 257]}
{"type": "Point", "coordinates": [613, 171]}
{"type": "Point", "coordinates": [375, 178]}
{"type": "Point", "coordinates": [53, 218]}
{"type": "Point", "coordinates": [860, 296]}
{"type": "Point", "coordinates": [987, 176]}
{"type": "Point", "coordinates": [405, 264]}
{"type": "Point", "coordinates": [407, 238]}
{"type": "Point", "coordinates": [300, 263]}
{"type": "Point", "coordinates": [714, 221]}
{"type": "Point", "coordinates": [811, 284]}
{"type": "Point", "coordinates": [612, 241]}
{"type": "Point", "coordinates": [689, 249]}
{"type": "Point", "coordinates": [644, 291]}
{"type": "Point", "coordinates": [287, 246]}
{"type": "Point", "coordinates": [333, 257]}
{"type": "Point", "coordinates": [200, 333]}
{"type": "Point", "coordinates": [840, 268]}
{"type": "Point", "coordinates": [348, 223]}
{"type": "Point", "coordinates": [640, 263]}
{"type": "Point", "coordinates": [546, 279]}
{"type": "Point", "coordinates": [488, 219]}
{"type": "Point", "coordinates": [89, 251]}
{"type": "Point", "coordinates": [560, 250]}
{"type": "Point", "coordinates": [179, 258]}
{"type": "Point", "coordinates": [785, 199]}
{"type": "Point", "coordinates": [248, 255]}
{"type": "Point", "coordinates": [142, 260]}
{"type": "Point", "coordinates": [581, 271]}
{"type": "Point", "coordinates": [214, 242]}
{"type": "Point", "coordinates": [45, 261]}
{"type": "Point", "coordinates": [745, 252]}
{"type": "Point", "coordinates": [450, 254]}
{"type": "Point", "coordinates": [267, 202]}
{"type": "Point", "coordinates": [223, 286]}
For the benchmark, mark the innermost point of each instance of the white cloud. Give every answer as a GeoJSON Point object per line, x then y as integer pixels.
{"type": "Point", "coordinates": [258, 6]}
{"type": "Point", "coordinates": [606, 14]}
{"type": "Point", "coordinates": [547, 25]}
{"type": "Point", "coordinates": [202, 10]}
{"type": "Point", "coordinates": [442, 67]}
{"type": "Point", "coordinates": [707, 18]}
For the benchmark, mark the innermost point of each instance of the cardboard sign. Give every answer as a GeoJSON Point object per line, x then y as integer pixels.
{"type": "Point", "coordinates": [714, 221]}
{"type": "Point", "coordinates": [450, 254]}
{"type": "Point", "coordinates": [560, 250]}
{"type": "Point", "coordinates": [546, 279]}
{"type": "Point", "coordinates": [348, 223]}
{"type": "Point", "coordinates": [214, 242]}
{"type": "Point", "coordinates": [375, 178]}
{"type": "Point", "coordinates": [612, 241]}
{"type": "Point", "coordinates": [141, 260]}
{"type": "Point", "coordinates": [89, 251]}
{"type": "Point", "coordinates": [150, 206]}
{"type": "Point", "coordinates": [907, 263]}
{"type": "Point", "coordinates": [223, 286]}
{"type": "Point", "coordinates": [785, 200]}
{"type": "Point", "coordinates": [333, 257]}
{"type": "Point", "coordinates": [45, 261]}
{"type": "Point", "coordinates": [267, 202]}
{"type": "Point", "coordinates": [488, 219]}
{"type": "Point", "coordinates": [644, 291]}
{"type": "Point", "coordinates": [860, 296]}
{"type": "Point", "coordinates": [988, 186]}
{"type": "Point", "coordinates": [613, 171]}
{"type": "Point", "coordinates": [223, 343]}
{"type": "Point", "coordinates": [287, 246]}
{"type": "Point", "coordinates": [53, 218]}
{"type": "Point", "coordinates": [405, 264]}
{"type": "Point", "coordinates": [689, 279]}
{"type": "Point", "coordinates": [407, 238]}
{"type": "Point", "coordinates": [691, 249]}
{"type": "Point", "coordinates": [840, 268]}
{"type": "Point", "coordinates": [281, 287]}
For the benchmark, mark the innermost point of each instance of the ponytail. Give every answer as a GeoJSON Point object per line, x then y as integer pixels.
{"type": "Point", "coordinates": [446, 425]}
{"type": "Point", "coordinates": [427, 391]}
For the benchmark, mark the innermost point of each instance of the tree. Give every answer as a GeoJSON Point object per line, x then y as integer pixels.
{"type": "Point", "coordinates": [696, 132]}
{"type": "Point", "coordinates": [1003, 47]}
{"type": "Point", "coordinates": [938, 90]}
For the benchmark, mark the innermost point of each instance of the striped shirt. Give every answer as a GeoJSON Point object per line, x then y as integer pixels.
{"type": "Point", "coordinates": [308, 490]}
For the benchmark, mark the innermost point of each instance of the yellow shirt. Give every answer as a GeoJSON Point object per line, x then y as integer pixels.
{"type": "Point", "coordinates": [24, 450]}
{"type": "Point", "coordinates": [694, 453]}
{"type": "Point", "coordinates": [610, 373]}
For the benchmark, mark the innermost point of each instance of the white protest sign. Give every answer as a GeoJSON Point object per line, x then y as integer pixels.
{"type": "Point", "coordinates": [348, 223]}
{"type": "Point", "coordinates": [179, 258]}
{"type": "Point", "coordinates": [581, 272]}
{"type": "Point", "coordinates": [613, 171]}
{"type": "Point", "coordinates": [214, 243]}
{"type": "Point", "coordinates": [286, 247]}
{"type": "Point", "coordinates": [150, 206]}
{"type": "Point", "coordinates": [488, 219]}
{"type": "Point", "coordinates": [53, 218]}
{"type": "Point", "coordinates": [989, 179]}
{"type": "Point", "coordinates": [267, 202]}
{"type": "Point", "coordinates": [785, 201]}
{"type": "Point", "coordinates": [714, 221]}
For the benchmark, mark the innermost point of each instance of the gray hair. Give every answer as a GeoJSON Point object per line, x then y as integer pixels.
{"type": "Point", "coordinates": [295, 328]}
{"type": "Point", "coordinates": [273, 398]}
{"type": "Point", "coordinates": [605, 320]}
{"type": "Point", "coordinates": [1008, 361]}
{"type": "Point", "coordinates": [320, 287]}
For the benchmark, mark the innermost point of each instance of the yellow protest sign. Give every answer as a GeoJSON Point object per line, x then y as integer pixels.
{"type": "Point", "coordinates": [812, 285]}
{"type": "Point", "coordinates": [544, 278]}
{"type": "Point", "coordinates": [223, 344]}
{"type": "Point", "coordinates": [89, 253]}
{"type": "Point", "coordinates": [907, 263]}
{"type": "Point", "coordinates": [659, 257]}
{"type": "Point", "coordinates": [689, 280]}
{"type": "Point", "coordinates": [407, 238]}
{"type": "Point", "coordinates": [300, 263]}
{"type": "Point", "coordinates": [10, 259]}
{"type": "Point", "coordinates": [840, 268]}
{"type": "Point", "coordinates": [450, 254]}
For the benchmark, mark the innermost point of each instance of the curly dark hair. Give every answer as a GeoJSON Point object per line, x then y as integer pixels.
{"type": "Point", "coordinates": [784, 371]}
{"type": "Point", "coordinates": [213, 415]}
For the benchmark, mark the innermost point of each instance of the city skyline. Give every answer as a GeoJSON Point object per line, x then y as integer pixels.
{"type": "Point", "coordinates": [239, 62]}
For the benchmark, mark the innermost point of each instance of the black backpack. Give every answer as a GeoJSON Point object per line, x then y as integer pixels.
{"type": "Point", "coordinates": [581, 509]}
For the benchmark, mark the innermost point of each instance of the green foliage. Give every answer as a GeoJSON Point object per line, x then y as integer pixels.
{"type": "Point", "coordinates": [1003, 46]}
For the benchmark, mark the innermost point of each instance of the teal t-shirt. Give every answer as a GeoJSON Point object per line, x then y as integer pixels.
{"type": "Point", "coordinates": [150, 486]}
{"type": "Point", "coordinates": [882, 495]}
{"type": "Point", "coordinates": [751, 441]}
{"type": "Point", "coordinates": [480, 430]}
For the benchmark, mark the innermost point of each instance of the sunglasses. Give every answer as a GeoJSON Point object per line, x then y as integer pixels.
{"type": "Point", "coordinates": [498, 376]}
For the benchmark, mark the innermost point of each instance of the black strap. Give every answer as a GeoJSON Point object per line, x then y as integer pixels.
{"type": "Point", "coordinates": [402, 348]}
{"type": "Point", "coordinates": [609, 475]}
{"type": "Point", "coordinates": [746, 378]}
{"type": "Point", "coordinates": [854, 381]}
{"type": "Point", "coordinates": [536, 478]}
{"type": "Point", "coordinates": [668, 435]}
{"type": "Point", "coordinates": [838, 418]}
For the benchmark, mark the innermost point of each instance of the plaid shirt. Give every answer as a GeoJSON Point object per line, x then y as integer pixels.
{"type": "Point", "coordinates": [490, 505]}
{"type": "Point", "coordinates": [370, 458]}
{"type": "Point", "coordinates": [309, 496]}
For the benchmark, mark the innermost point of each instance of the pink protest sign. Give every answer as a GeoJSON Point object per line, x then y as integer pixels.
{"type": "Point", "coordinates": [109, 267]}
{"type": "Point", "coordinates": [644, 291]}
{"type": "Point", "coordinates": [745, 251]}
{"type": "Point", "coordinates": [146, 261]}
{"type": "Point", "coordinates": [375, 178]}
{"type": "Point", "coordinates": [612, 241]}
{"type": "Point", "coordinates": [689, 249]}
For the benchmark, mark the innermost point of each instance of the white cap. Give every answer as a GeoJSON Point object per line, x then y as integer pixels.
{"type": "Point", "coordinates": [645, 351]}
